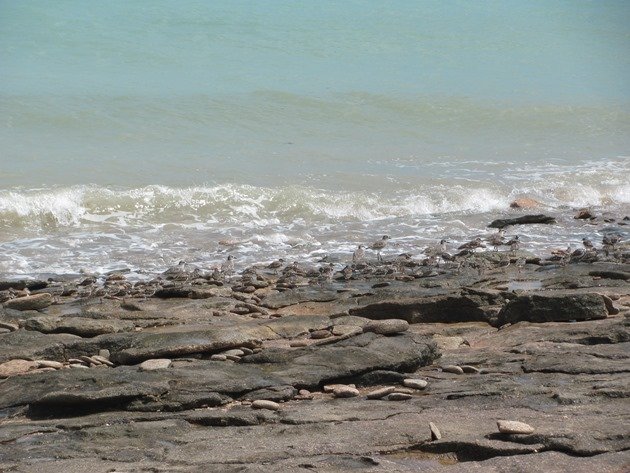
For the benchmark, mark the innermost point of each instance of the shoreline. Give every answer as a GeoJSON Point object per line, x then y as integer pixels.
{"type": "Point", "coordinates": [393, 367]}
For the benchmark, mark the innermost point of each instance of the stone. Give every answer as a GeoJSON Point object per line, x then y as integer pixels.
{"type": "Point", "coordinates": [329, 388]}
{"type": "Point", "coordinates": [525, 203]}
{"type": "Point", "coordinates": [398, 396]}
{"type": "Point", "coordinates": [104, 352]}
{"type": "Point", "coordinates": [319, 334]}
{"type": "Point", "coordinates": [435, 432]}
{"type": "Point", "coordinates": [525, 219]}
{"type": "Point", "coordinates": [381, 392]}
{"type": "Point", "coordinates": [49, 364]}
{"type": "Point", "coordinates": [452, 369]}
{"type": "Point", "coordinates": [415, 383]}
{"type": "Point", "coordinates": [514, 427]}
{"type": "Point", "coordinates": [345, 391]}
{"type": "Point", "coordinates": [155, 364]}
{"type": "Point", "coordinates": [346, 330]}
{"type": "Point", "coordinates": [218, 357]}
{"type": "Point", "coordinates": [470, 369]}
{"type": "Point", "coordinates": [265, 404]}
{"type": "Point", "coordinates": [234, 352]}
{"type": "Point", "coordinates": [34, 302]}
{"type": "Point", "coordinates": [16, 367]}
{"type": "Point", "coordinates": [387, 326]}
{"type": "Point", "coordinates": [299, 343]}
{"type": "Point", "coordinates": [102, 360]}
{"type": "Point", "coordinates": [584, 214]}
{"type": "Point", "coordinates": [233, 358]}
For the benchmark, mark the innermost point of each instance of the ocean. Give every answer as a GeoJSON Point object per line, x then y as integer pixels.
{"type": "Point", "coordinates": [137, 134]}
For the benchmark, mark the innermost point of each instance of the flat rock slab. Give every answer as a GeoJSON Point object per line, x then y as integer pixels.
{"type": "Point", "coordinates": [35, 345]}
{"type": "Point", "coordinates": [553, 308]}
{"type": "Point", "coordinates": [311, 366]}
{"type": "Point", "coordinates": [168, 344]}
{"type": "Point", "coordinates": [299, 295]}
{"type": "Point", "coordinates": [82, 326]}
{"type": "Point", "coordinates": [34, 302]}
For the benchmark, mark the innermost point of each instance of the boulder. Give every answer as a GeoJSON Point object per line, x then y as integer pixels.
{"type": "Point", "coordinates": [525, 203]}
{"type": "Point", "coordinates": [553, 308]}
{"type": "Point", "coordinates": [34, 302]}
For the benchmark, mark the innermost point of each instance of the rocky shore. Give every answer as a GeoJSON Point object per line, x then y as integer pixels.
{"type": "Point", "coordinates": [517, 362]}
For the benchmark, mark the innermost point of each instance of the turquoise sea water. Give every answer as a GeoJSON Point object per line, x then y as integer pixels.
{"type": "Point", "coordinates": [136, 133]}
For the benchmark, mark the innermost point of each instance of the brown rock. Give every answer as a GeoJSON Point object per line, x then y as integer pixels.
{"type": "Point", "coordinates": [514, 427]}
{"type": "Point", "coordinates": [17, 367]}
{"type": "Point", "coordinates": [525, 203]}
{"type": "Point", "coordinates": [35, 302]}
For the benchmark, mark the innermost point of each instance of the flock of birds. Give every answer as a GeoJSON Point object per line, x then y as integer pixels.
{"type": "Point", "coordinates": [283, 275]}
{"type": "Point", "coordinates": [432, 258]}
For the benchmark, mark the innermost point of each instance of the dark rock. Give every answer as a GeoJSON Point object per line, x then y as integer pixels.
{"type": "Point", "coordinates": [525, 219]}
{"type": "Point", "coordinates": [553, 308]}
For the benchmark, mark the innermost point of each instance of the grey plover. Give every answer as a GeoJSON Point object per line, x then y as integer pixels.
{"type": "Point", "coordinates": [514, 243]}
{"type": "Point", "coordinates": [379, 246]}
{"type": "Point", "coordinates": [359, 254]}
{"type": "Point", "coordinates": [276, 265]}
{"type": "Point", "coordinates": [227, 268]}
{"type": "Point", "coordinates": [588, 244]}
{"type": "Point", "coordinates": [497, 239]}
{"type": "Point", "coordinates": [472, 245]}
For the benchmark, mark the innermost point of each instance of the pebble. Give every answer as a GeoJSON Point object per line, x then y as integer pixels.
{"type": "Point", "coordinates": [319, 334]}
{"type": "Point", "coordinates": [415, 383]}
{"type": "Point", "coordinates": [470, 369]}
{"type": "Point", "coordinates": [77, 365]}
{"type": "Point", "coordinates": [233, 358]}
{"type": "Point", "coordinates": [452, 369]}
{"type": "Point", "coordinates": [218, 357]}
{"type": "Point", "coordinates": [345, 391]}
{"type": "Point", "coordinates": [102, 359]}
{"type": "Point", "coordinates": [514, 427]}
{"type": "Point", "coordinates": [104, 353]}
{"type": "Point", "coordinates": [435, 432]}
{"type": "Point", "coordinates": [89, 361]}
{"type": "Point", "coordinates": [247, 351]}
{"type": "Point", "coordinates": [398, 396]}
{"type": "Point", "coordinates": [155, 364]}
{"type": "Point", "coordinates": [298, 343]}
{"type": "Point", "coordinates": [234, 352]}
{"type": "Point", "coordinates": [331, 387]}
{"type": "Point", "coordinates": [76, 361]}
{"type": "Point", "coordinates": [264, 404]}
{"type": "Point", "coordinates": [381, 392]}
{"type": "Point", "coordinates": [387, 327]}
{"type": "Point", "coordinates": [49, 364]}
{"type": "Point", "coordinates": [341, 330]}
{"type": "Point", "coordinates": [4, 330]}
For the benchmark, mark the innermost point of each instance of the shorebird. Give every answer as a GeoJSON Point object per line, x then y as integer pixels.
{"type": "Point", "coordinates": [359, 254]}
{"type": "Point", "coordinates": [588, 244]}
{"type": "Point", "coordinates": [275, 265]}
{"type": "Point", "coordinates": [611, 239]}
{"type": "Point", "coordinates": [473, 244]}
{"type": "Point", "coordinates": [379, 246]}
{"type": "Point", "coordinates": [514, 243]}
{"type": "Point", "coordinates": [326, 273]}
{"type": "Point", "coordinates": [497, 239]}
{"type": "Point", "coordinates": [347, 272]}
{"type": "Point", "coordinates": [227, 268]}
{"type": "Point", "coordinates": [181, 272]}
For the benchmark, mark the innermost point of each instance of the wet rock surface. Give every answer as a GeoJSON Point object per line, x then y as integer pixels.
{"type": "Point", "coordinates": [453, 370]}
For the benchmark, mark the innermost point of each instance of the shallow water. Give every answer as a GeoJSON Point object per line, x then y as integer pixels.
{"type": "Point", "coordinates": [138, 134]}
